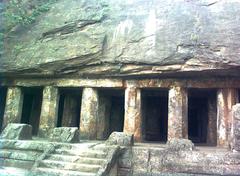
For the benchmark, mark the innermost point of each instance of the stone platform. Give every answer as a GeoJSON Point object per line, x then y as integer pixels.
{"type": "Point", "coordinates": [89, 158]}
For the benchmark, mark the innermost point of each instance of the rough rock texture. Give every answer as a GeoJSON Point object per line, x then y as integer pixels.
{"type": "Point", "coordinates": [236, 128]}
{"type": "Point", "coordinates": [89, 111]}
{"type": "Point", "coordinates": [49, 111]}
{"type": "Point", "coordinates": [180, 145]}
{"type": "Point", "coordinates": [122, 38]}
{"type": "Point", "coordinates": [65, 134]}
{"type": "Point", "coordinates": [177, 113]}
{"type": "Point", "coordinates": [149, 160]}
{"type": "Point", "coordinates": [13, 108]}
{"type": "Point", "coordinates": [132, 121]}
{"type": "Point", "coordinates": [120, 138]}
{"type": "Point", "coordinates": [17, 131]}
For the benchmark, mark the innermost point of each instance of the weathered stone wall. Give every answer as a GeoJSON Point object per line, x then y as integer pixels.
{"type": "Point", "coordinates": [154, 160]}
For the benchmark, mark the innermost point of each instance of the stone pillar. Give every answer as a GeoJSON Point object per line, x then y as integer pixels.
{"type": "Point", "coordinates": [49, 111]}
{"type": "Point", "coordinates": [13, 108]}
{"type": "Point", "coordinates": [236, 128]}
{"type": "Point", "coordinates": [89, 114]}
{"type": "Point", "coordinates": [133, 119]}
{"type": "Point", "coordinates": [177, 113]}
{"type": "Point", "coordinates": [226, 98]}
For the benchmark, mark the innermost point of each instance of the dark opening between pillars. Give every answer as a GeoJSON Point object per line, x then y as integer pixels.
{"type": "Point", "coordinates": [69, 108]}
{"type": "Point", "coordinates": [111, 111]}
{"type": "Point", "coordinates": [32, 103]}
{"type": "Point", "coordinates": [155, 114]}
{"type": "Point", "coordinates": [202, 116]}
{"type": "Point", "coordinates": [3, 94]}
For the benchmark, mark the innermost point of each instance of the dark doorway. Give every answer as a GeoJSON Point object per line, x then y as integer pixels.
{"type": "Point", "coordinates": [201, 115]}
{"type": "Point", "coordinates": [111, 111]}
{"type": "Point", "coordinates": [3, 95]}
{"type": "Point", "coordinates": [32, 103]}
{"type": "Point", "coordinates": [238, 101]}
{"type": "Point", "coordinates": [69, 107]}
{"type": "Point", "coordinates": [155, 114]}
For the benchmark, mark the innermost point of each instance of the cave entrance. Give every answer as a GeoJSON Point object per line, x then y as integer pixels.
{"type": "Point", "coordinates": [155, 114]}
{"type": "Point", "coordinates": [3, 95]}
{"type": "Point", "coordinates": [111, 111]}
{"type": "Point", "coordinates": [69, 107]}
{"type": "Point", "coordinates": [202, 116]}
{"type": "Point", "coordinates": [32, 103]}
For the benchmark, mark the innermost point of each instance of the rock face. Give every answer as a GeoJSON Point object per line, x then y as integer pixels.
{"type": "Point", "coordinates": [65, 134]}
{"type": "Point", "coordinates": [16, 131]}
{"type": "Point", "coordinates": [180, 145]}
{"type": "Point", "coordinates": [128, 38]}
{"type": "Point", "coordinates": [236, 128]}
{"type": "Point", "coordinates": [120, 138]}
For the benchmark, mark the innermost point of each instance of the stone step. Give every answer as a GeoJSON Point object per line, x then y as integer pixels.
{"type": "Point", "coordinates": [75, 159]}
{"type": "Point", "coordinates": [19, 154]}
{"type": "Point", "coordinates": [16, 163]}
{"type": "Point", "coordinates": [69, 166]}
{"type": "Point", "coordinates": [86, 153]}
{"type": "Point", "coordinates": [57, 172]}
{"type": "Point", "coordinates": [13, 171]}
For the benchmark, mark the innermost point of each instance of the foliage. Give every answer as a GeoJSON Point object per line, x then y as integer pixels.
{"type": "Point", "coordinates": [21, 13]}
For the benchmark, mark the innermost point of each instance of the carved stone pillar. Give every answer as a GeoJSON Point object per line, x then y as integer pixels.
{"type": "Point", "coordinates": [226, 98]}
{"type": "Point", "coordinates": [49, 111]}
{"type": "Point", "coordinates": [89, 114]}
{"type": "Point", "coordinates": [13, 108]}
{"type": "Point", "coordinates": [133, 119]}
{"type": "Point", "coordinates": [177, 113]}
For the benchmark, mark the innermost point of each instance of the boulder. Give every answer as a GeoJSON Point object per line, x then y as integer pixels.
{"type": "Point", "coordinates": [17, 131]}
{"type": "Point", "coordinates": [65, 134]}
{"type": "Point", "coordinates": [236, 128]}
{"type": "Point", "coordinates": [128, 38]}
{"type": "Point", "coordinates": [180, 145]}
{"type": "Point", "coordinates": [120, 138]}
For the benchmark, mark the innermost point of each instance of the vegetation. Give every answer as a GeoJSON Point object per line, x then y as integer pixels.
{"type": "Point", "coordinates": [21, 13]}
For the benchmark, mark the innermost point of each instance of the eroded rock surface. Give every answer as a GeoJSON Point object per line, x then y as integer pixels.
{"type": "Point", "coordinates": [65, 134]}
{"type": "Point", "coordinates": [180, 145]}
{"type": "Point", "coordinates": [17, 131]}
{"type": "Point", "coordinates": [128, 38]}
{"type": "Point", "coordinates": [120, 138]}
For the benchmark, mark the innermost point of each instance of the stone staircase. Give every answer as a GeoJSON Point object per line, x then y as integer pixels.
{"type": "Point", "coordinates": [18, 157]}
{"type": "Point", "coordinates": [52, 159]}
{"type": "Point", "coordinates": [73, 160]}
